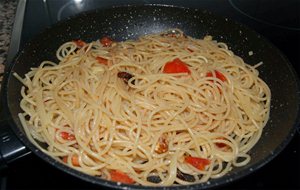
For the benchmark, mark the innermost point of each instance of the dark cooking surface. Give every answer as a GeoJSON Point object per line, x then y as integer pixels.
{"type": "Point", "coordinates": [31, 172]}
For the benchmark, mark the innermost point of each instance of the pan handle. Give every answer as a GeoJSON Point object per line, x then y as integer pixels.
{"type": "Point", "coordinates": [11, 147]}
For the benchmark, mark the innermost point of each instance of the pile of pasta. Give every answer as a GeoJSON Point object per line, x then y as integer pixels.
{"type": "Point", "coordinates": [161, 110]}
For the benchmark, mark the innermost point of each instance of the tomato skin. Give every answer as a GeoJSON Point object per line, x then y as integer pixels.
{"type": "Point", "coordinates": [218, 74]}
{"type": "Point", "coordinates": [197, 162]}
{"type": "Point", "coordinates": [106, 41]}
{"type": "Point", "coordinates": [67, 136]}
{"type": "Point", "coordinates": [176, 66]}
{"type": "Point", "coordinates": [220, 144]}
{"type": "Point", "coordinates": [74, 159]}
{"type": "Point", "coordinates": [102, 60]}
{"type": "Point", "coordinates": [79, 43]}
{"type": "Point", "coordinates": [190, 50]}
{"type": "Point", "coordinates": [119, 176]}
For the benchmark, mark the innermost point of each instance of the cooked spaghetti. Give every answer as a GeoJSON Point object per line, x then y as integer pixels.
{"type": "Point", "coordinates": [164, 109]}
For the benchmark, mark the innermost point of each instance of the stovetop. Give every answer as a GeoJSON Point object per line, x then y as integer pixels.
{"type": "Point", "coordinates": [278, 21]}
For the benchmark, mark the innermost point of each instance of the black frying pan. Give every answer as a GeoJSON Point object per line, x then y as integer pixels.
{"type": "Point", "coordinates": [122, 23]}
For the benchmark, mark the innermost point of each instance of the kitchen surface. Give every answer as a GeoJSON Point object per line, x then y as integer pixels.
{"type": "Point", "coordinates": [7, 15]}
{"type": "Point", "coordinates": [278, 21]}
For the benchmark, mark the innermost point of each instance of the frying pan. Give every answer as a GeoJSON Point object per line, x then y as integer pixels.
{"type": "Point", "coordinates": [129, 22]}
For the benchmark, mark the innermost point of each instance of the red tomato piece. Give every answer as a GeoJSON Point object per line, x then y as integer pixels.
{"type": "Point", "coordinates": [106, 41]}
{"type": "Point", "coordinates": [220, 144]}
{"type": "Point", "coordinates": [197, 162]}
{"type": "Point", "coordinates": [119, 176]}
{"type": "Point", "coordinates": [75, 160]}
{"type": "Point", "coordinates": [67, 136]}
{"type": "Point", "coordinates": [102, 60]}
{"type": "Point", "coordinates": [176, 66]}
{"type": "Point", "coordinates": [79, 43]}
{"type": "Point", "coordinates": [218, 74]}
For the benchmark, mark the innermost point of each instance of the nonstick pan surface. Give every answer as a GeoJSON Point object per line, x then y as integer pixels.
{"type": "Point", "coordinates": [129, 22]}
